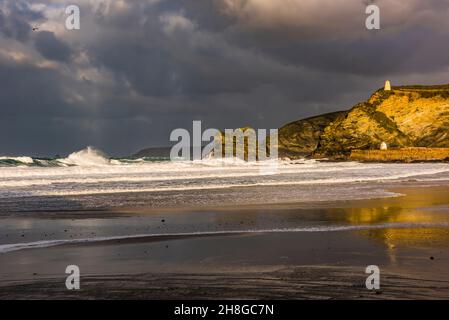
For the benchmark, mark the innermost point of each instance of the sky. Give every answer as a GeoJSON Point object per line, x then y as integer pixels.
{"type": "Point", "coordinates": [138, 69]}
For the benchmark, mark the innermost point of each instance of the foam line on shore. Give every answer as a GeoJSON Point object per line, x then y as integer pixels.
{"type": "Point", "coordinates": [234, 185]}
{"type": "Point", "coordinates": [5, 248]}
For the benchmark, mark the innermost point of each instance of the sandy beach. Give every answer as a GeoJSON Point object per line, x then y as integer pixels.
{"type": "Point", "coordinates": [279, 251]}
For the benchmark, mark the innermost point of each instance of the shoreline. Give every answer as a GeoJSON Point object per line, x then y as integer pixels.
{"type": "Point", "coordinates": [389, 189]}
{"type": "Point", "coordinates": [292, 265]}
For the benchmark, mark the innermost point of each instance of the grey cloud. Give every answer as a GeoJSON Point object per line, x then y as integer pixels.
{"type": "Point", "coordinates": [17, 21]}
{"type": "Point", "coordinates": [51, 47]}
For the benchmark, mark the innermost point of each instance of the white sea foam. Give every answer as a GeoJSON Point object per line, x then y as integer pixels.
{"type": "Point", "coordinates": [145, 175]}
{"type": "Point", "coordinates": [89, 171]}
{"type": "Point", "coordinates": [87, 157]}
{"type": "Point", "coordinates": [121, 184]}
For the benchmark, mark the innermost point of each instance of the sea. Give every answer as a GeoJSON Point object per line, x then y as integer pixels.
{"type": "Point", "coordinates": [88, 197]}
{"type": "Point", "coordinates": [89, 180]}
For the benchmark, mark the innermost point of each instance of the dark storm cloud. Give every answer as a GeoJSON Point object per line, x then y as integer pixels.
{"type": "Point", "coordinates": [173, 54]}
{"type": "Point", "coordinates": [138, 69]}
{"type": "Point", "coordinates": [411, 50]}
{"type": "Point", "coordinates": [35, 92]}
{"type": "Point", "coordinates": [403, 45]}
{"type": "Point", "coordinates": [51, 47]}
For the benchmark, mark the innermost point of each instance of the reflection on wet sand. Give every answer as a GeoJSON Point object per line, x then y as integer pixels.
{"type": "Point", "coordinates": [419, 207]}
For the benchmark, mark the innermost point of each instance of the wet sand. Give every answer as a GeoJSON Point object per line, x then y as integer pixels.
{"type": "Point", "coordinates": [319, 282]}
{"type": "Point", "coordinates": [324, 256]}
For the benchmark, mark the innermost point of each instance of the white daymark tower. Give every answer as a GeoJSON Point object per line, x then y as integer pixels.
{"type": "Point", "coordinates": [387, 86]}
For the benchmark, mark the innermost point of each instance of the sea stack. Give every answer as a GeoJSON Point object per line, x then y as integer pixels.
{"type": "Point", "coordinates": [387, 86]}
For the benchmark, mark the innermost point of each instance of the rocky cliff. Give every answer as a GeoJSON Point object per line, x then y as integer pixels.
{"type": "Point", "coordinates": [302, 137]}
{"type": "Point", "coordinates": [406, 116]}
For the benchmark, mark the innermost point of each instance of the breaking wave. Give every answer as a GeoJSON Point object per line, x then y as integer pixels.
{"type": "Point", "coordinates": [16, 161]}
{"type": "Point", "coordinates": [88, 157]}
